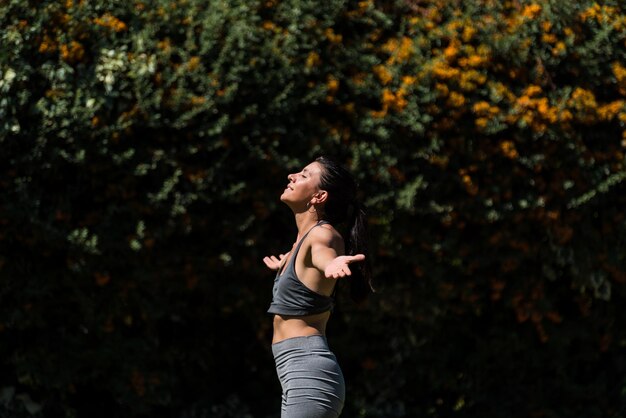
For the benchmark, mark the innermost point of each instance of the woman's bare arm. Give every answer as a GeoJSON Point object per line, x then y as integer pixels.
{"type": "Point", "coordinates": [325, 257]}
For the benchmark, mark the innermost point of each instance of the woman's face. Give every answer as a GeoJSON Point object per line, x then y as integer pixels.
{"type": "Point", "coordinates": [304, 185]}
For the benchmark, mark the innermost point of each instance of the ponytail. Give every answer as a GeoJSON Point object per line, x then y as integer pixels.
{"type": "Point", "coordinates": [356, 243]}
{"type": "Point", "coordinates": [343, 207]}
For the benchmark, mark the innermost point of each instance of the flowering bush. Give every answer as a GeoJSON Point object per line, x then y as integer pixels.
{"type": "Point", "coordinates": [143, 145]}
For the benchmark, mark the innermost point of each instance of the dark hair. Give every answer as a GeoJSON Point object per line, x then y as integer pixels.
{"type": "Point", "coordinates": [343, 207]}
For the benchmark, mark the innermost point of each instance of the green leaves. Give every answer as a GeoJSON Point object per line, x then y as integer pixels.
{"type": "Point", "coordinates": [145, 145]}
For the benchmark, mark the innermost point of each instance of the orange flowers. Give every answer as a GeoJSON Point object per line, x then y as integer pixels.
{"type": "Point", "coordinates": [332, 85]}
{"type": "Point", "coordinates": [111, 22]}
{"type": "Point", "coordinates": [391, 100]}
{"type": "Point", "coordinates": [531, 11]}
{"type": "Point", "coordinates": [598, 13]}
{"type": "Point", "coordinates": [383, 74]}
{"type": "Point", "coordinates": [508, 149]}
{"type": "Point", "coordinates": [443, 71]}
{"type": "Point", "coordinates": [332, 36]}
{"type": "Point", "coordinates": [72, 52]}
{"type": "Point", "coordinates": [193, 63]}
{"type": "Point", "coordinates": [400, 50]}
{"type": "Point", "coordinates": [611, 110]}
{"type": "Point", "coordinates": [620, 75]}
{"type": "Point", "coordinates": [583, 99]}
{"type": "Point", "coordinates": [312, 60]}
{"type": "Point", "coordinates": [47, 45]}
{"type": "Point", "coordinates": [456, 99]}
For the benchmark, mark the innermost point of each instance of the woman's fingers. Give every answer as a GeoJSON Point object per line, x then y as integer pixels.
{"type": "Point", "coordinates": [268, 262]}
{"type": "Point", "coordinates": [343, 271]}
{"type": "Point", "coordinates": [272, 262]}
{"type": "Point", "coordinates": [353, 258]}
{"type": "Point", "coordinates": [339, 271]}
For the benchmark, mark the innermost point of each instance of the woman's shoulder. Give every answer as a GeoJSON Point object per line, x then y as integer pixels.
{"type": "Point", "coordinates": [326, 234]}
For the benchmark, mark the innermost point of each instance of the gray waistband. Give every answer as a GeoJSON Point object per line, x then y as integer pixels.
{"type": "Point", "coordinates": [305, 342]}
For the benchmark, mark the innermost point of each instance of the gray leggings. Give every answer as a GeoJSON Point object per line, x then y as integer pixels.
{"type": "Point", "coordinates": [312, 382]}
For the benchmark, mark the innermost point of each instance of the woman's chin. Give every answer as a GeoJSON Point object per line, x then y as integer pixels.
{"type": "Point", "coordinates": [285, 195]}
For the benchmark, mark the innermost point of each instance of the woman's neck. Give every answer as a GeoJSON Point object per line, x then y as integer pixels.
{"type": "Point", "coordinates": [305, 221]}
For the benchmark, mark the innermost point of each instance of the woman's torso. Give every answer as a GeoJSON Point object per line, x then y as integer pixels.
{"type": "Point", "coordinates": [299, 326]}
{"type": "Point", "coordinates": [289, 326]}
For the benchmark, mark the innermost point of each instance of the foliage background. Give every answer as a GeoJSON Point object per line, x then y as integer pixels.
{"type": "Point", "coordinates": [144, 145]}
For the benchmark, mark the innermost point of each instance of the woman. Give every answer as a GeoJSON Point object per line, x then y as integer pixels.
{"type": "Point", "coordinates": [321, 196]}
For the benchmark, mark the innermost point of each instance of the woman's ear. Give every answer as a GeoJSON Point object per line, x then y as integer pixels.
{"type": "Point", "coordinates": [319, 197]}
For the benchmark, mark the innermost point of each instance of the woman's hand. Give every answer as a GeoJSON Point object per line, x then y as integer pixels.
{"type": "Point", "coordinates": [272, 262]}
{"type": "Point", "coordinates": [339, 266]}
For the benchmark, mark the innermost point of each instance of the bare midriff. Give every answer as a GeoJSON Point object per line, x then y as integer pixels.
{"type": "Point", "coordinates": [299, 326]}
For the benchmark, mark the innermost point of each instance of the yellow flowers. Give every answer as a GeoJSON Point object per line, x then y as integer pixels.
{"type": "Point", "coordinates": [481, 107]}
{"type": "Point", "coordinates": [531, 11]}
{"type": "Point", "coordinates": [508, 149]}
{"type": "Point", "coordinates": [620, 75]}
{"type": "Point", "coordinates": [481, 123]}
{"type": "Point", "coordinates": [456, 99]}
{"type": "Point", "coordinates": [499, 92]}
{"type": "Point", "coordinates": [358, 79]}
{"type": "Point", "coordinates": [468, 33]}
{"type": "Point", "coordinates": [485, 109]}
{"type": "Point", "coordinates": [598, 13]}
{"type": "Point", "coordinates": [532, 90]}
{"type": "Point", "coordinates": [609, 111]}
{"type": "Point", "coordinates": [442, 89]}
{"type": "Point", "coordinates": [383, 74]}
{"type": "Point", "coordinates": [471, 84]}
{"type": "Point", "coordinates": [391, 100]}
{"type": "Point", "coordinates": [164, 44]}
{"type": "Point", "coordinates": [559, 48]}
{"type": "Point", "coordinates": [535, 111]}
{"type": "Point", "coordinates": [268, 25]}
{"type": "Point", "coordinates": [400, 50]}
{"type": "Point", "coordinates": [470, 79]}
{"type": "Point", "coordinates": [484, 112]}
{"type": "Point", "coordinates": [582, 99]}
{"type": "Point", "coordinates": [473, 61]}
{"type": "Point", "coordinates": [451, 51]}
{"type": "Point", "coordinates": [197, 100]}
{"type": "Point", "coordinates": [548, 38]}
{"type": "Point", "coordinates": [47, 45]}
{"type": "Point", "coordinates": [109, 21]}
{"type": "Point", "coordinates": [605, 15]}
{"type": "Point", "coordinates": [409, 80]}
{"type": "Point", "coordinates": [332, 36]}
{"type": "Point", "coordinates": [332, 85]}
{"type": "Point", "coordinates": [443, 71]}
{"type": "Point", "coordinates": [312, 60]}
{"type": "Point", "coordinates": [362, 8]}
{"type": "Point", "coordinates": [364, 5]}
{"type": "Point", "coordinates": [193, 63]}
{"type": "Point", "coordinates": [467, 181]}
{"type": "Point", "coordinates": [72, 52]}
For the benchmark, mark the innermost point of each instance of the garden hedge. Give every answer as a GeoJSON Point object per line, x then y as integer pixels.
{"type": "Point", "coordinates": [143, 147]}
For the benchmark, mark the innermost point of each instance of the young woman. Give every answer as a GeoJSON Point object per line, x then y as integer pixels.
{"type": "Point", "coordinates": [321, 196]}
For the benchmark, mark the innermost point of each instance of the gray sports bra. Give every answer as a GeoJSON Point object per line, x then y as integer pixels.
{"type": "Point", "coordinates": [292, 297]}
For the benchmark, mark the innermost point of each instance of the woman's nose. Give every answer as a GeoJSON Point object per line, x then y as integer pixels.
{"type": "Point", "coordinates": [291, 177]}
